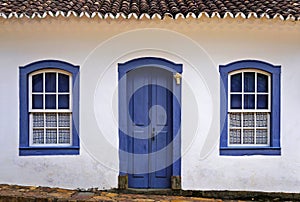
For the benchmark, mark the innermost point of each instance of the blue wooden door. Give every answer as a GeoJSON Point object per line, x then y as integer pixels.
{"type": "Point", "coordinates": [150, 127]}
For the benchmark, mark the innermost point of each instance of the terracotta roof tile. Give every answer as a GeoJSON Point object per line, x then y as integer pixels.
{"type": "Point", "coordinates": [284, 9]}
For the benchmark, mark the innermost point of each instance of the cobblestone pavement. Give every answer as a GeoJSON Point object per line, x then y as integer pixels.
{"type": "Point", "coordinates": [42, 194]}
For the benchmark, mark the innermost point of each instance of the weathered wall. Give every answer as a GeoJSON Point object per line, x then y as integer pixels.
{"type": "Point", "coordinates": [200, 45]}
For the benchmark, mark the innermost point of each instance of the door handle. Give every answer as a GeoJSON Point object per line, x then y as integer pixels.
{"type": "Point", "coordinates": [153, 134]}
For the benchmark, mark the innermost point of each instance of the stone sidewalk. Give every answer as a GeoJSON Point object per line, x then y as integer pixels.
{"type": "Point", "coordinates": [44, 194]}
{"type": "Point", "coordinates": [16, 193]}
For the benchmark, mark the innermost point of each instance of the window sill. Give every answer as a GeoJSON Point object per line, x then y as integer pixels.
{"type": "Point", "coordinates": [42, 151]}
{"type": "Point", "coordinates": [244, 151]}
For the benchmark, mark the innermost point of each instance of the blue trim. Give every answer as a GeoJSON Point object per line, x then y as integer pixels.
{"type": "Point", "coordinates": [229, 151]}
{"type": "Point", "coordinates": [146, 62]}
{"type": "Point", "coordinates": [123, 68]}
{"type": "Point", "coordinates": [38, 151]}
{"type": "Point", "coordinates": [274, 148]}
{"type": "Point", "coordinates": [24, 71]}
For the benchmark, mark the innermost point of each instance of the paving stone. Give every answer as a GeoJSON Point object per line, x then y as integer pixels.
{"type": "Point", "coordinates": [143, 200]}
{"type": "Point", "coordinates": [59, 195]}
{"type": "Point", "coordinates": [65, 190]}
{"type": "Point", "coordinates": [44, 199]}
{"type": "Point", "coordinates": [32, 188]}
{"type": "Point", "coordinates": [63, 200]}
{"type": "Point", "coordinates": [83, 195]}
{"type": "Point", "coordinates": [102, 198]}
{"type": "Point", "coordinates": [205, 200]}
{"type": "Point", "coordinates": [111, 195]}
{"type": "Point", "coordinates": [122, 199]}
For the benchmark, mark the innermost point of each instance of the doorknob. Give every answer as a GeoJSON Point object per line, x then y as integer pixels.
{"type": "Point", "coordinates": [153, 134]}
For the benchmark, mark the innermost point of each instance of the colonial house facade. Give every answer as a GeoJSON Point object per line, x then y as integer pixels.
{"type": "Point", "coordinates": [172, 94]}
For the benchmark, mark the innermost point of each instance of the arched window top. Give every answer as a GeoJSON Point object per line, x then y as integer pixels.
{"type": "Point", "coordinates": [48, 65]}
{"type": "Point", "coordinates": [254, 70]}
{"type": "Point", "coordinates": [250, 64]}
{"type": "Point", "coordinates": [53, 70]}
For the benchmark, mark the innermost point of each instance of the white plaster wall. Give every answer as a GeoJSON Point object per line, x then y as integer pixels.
{"type": "Point", "coordinates": [97, 46]}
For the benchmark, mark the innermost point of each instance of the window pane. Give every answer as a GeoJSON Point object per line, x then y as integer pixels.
{"type": "Point", "coordinates": [262, 83]}
{"type": "Point", "coordinates": [261, 119]}
{"type": "Point", "coordinates": [262, 136]}
{"type": "Point", "coordinates": [38, 136]}
{"type": "Point", "coordinates": [50, 101]}
{"type": "Point", "coordinates": [262, 101]}
{"type": "Point", "coordinates": [37, 83]}
{"type": "Point", "coordinates": [50, 82]}
{"type": "Point", "coordinates": [38, 120]}
{"type": "Point", "coordinates": [248, 119]}
{"type": "Point", "coordinates": [236, 83]}
{"type": "Point", "coordinates": [51, 136]}
{"type": "Point", "coordinates": [51, 120]}
{"type": "Point", "coordinates": [236, 102]}
{"type": "Point", "coordinates": [63, 102]}
{"type": "Point", "coordinates": [64, 136]}
{"type": "Point", "coordinates": [249, 101]}
{"type": "Point", "coordinates": [235, 119]}
{"type": "Point", "coordinates": [235, 136]}
{"type": "Point", "coordinates": [248, 137]}
{"type": "Point", "coordinates": [63, 83]}
{"type": "Point", "coordinates": [249, 81]}
{"type": "Point", "coordinates": [37, 101]}
{"type": "Point", "coordinates": [64, 120]}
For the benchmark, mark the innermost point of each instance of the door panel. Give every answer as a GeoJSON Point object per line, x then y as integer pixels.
{"type": "Point", "coordinates": [162, 120]}
{"type": "Point", "coordinates": [138, 96]}
{"type": "Point", "coordinates": [139, 147]}
{"type": "Point", "coordinates": [150, 124]}
{"type": "Point", "coordinates": [140, 101]}
{"type": "Point", "coordinates": [162, 160]}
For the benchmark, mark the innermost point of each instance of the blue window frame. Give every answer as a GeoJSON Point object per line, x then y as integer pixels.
{"type": "Point", "coordinates": [49, 108]}
{"type": "Point", "coordinates": [250, 108]}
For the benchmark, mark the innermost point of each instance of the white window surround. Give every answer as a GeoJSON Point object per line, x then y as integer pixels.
{"type": "Point", "coordinates": [59, 120]}
{"type": "Point", "coordinates": [249, 126]}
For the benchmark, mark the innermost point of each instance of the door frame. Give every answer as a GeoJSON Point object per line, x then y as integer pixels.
{"type": "Point", "coordinates": [123, 68]}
